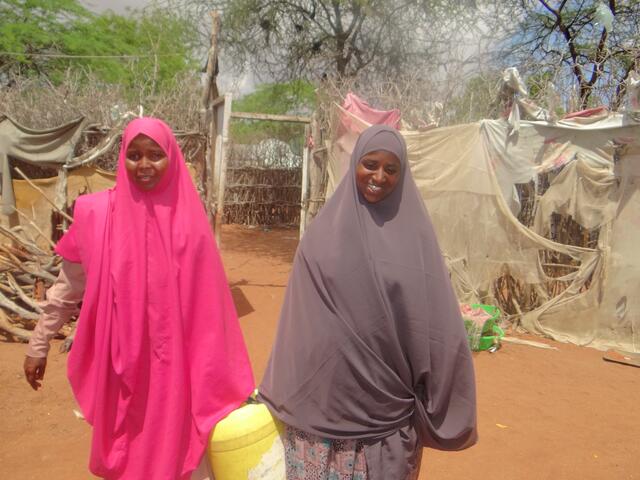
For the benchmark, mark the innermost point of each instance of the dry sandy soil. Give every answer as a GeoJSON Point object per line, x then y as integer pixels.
{"type": "Point", "coordinates": [543, 414]}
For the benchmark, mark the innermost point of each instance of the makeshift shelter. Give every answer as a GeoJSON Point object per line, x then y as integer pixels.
{"type": "Point", "coordinates": [47, 148]}
{"type": "Point", "coordinates": [468, 176]}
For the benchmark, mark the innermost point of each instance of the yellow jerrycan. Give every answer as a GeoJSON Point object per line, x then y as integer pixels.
{"type": "Point", "coordinates": [247, 445]}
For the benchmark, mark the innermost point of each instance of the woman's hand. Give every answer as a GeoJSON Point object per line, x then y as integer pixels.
{"type": "Point", "coordinates": [34, 370]}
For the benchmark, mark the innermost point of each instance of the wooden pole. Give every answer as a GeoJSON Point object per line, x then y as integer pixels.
{"type": "Point", "coordinates": [222, 166]}
{"type": "Point", "coordinates": [209, 96]}
{"type": "Point", "coordinates": [61, 194]}
{"type": "Point", "coordinates": [317, 167]}
{"type": "Point", "coordinates": [218, 114]}
{"type": "Point", "coordinates": [304, 194]}
{"type": "Point", "coordinates": [272, 117]}
{"type": "Point", "coordinates": [210, 160]}
{"type": "Point", "coordinates": [210, 90]}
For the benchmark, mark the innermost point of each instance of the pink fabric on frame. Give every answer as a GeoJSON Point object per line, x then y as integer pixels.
{"type": "Point", "coordinates": [158, 358]}
{"type": "Point", "coordinates": [361, 109]}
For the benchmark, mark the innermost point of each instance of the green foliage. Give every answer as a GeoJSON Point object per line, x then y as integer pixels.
{"type": "Point", "coordinates": [291, 98]}
{"type": "Point", "coordinates": [294, 98]}
{"type": "Point", "coordinates": [35, 25]}
{"type": "Point", "coordinates": [143, 51]}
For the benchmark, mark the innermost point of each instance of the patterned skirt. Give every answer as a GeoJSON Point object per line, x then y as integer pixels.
{"type": "Point", "coordinates": [309, 457]}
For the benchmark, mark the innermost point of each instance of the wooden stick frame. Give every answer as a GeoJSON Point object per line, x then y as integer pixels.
{"type": "Point", "coordinates": [222, 116]}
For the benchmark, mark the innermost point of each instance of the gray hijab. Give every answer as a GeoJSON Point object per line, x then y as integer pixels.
{"type": "Point", "coordinates": [370, 343]}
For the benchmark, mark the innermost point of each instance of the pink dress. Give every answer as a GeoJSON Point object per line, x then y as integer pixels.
{"type": "Point", "coordinates": [158, 357]}
{"type": "Point", "coordinates": [60, 305]}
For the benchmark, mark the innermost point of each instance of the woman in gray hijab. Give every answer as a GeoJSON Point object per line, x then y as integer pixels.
{"type": "Point", "coordinates": [371, 361]}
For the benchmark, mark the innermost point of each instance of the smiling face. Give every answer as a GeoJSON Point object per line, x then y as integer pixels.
{"type": "Point", "coordinates": [377, 175]}
{"type": "Point", "coordinates": [146, 162]}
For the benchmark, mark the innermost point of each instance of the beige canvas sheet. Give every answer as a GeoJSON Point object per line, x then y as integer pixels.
{"type": "Point", "coordinates": [35, 208]}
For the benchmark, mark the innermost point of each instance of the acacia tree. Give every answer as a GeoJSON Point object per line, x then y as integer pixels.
{"type": "Point", "coordinates": [323, 37]}
{"type": "Point", "coordinates": [569, 41]}
{"type": "Point", "coordinates": [28, 28]}
{"type": "Point", "coordinates": [288, 39]}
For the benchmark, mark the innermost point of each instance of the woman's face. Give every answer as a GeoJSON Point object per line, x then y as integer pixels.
{"type": "Point", "coordinates": [146, 162]}
{"type": "Point", "coordinates": [377, 175]}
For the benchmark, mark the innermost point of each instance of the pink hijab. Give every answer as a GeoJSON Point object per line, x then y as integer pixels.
{"type": "Point", "coordinates": [159, 357]}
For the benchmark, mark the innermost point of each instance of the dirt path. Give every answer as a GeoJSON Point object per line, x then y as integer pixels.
{"type": "Point", "coordinates": [543, 414]}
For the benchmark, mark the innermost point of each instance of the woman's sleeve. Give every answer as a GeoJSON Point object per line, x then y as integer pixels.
{"type": "Point", "coordinates": [61, 303]}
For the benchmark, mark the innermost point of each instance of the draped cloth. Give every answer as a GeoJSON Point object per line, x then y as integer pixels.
{"type": "Point", "coordinates": [52, 147]}
{"type": "Point", "coordinates": [370, 343]}
{"type": "Point", "coordinates": [361, 109]}
{"type": "Point", "coordinates": [158, 357]}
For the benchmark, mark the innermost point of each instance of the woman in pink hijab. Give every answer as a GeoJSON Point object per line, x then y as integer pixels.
{"type": "Point", "coordinates": [158, 358]}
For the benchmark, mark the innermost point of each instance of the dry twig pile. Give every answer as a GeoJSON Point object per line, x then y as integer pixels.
{"type": "Point", "coordinates": [26, 271]}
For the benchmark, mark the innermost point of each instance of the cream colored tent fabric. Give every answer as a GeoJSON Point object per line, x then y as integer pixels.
{"type": "Point", "coordinates": [467, 175]}
{"type": "Point", "coordinates": [34, 206]}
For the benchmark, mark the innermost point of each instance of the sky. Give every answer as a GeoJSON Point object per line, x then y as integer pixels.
{"type": "Point", "coordinates": [118, 6]}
